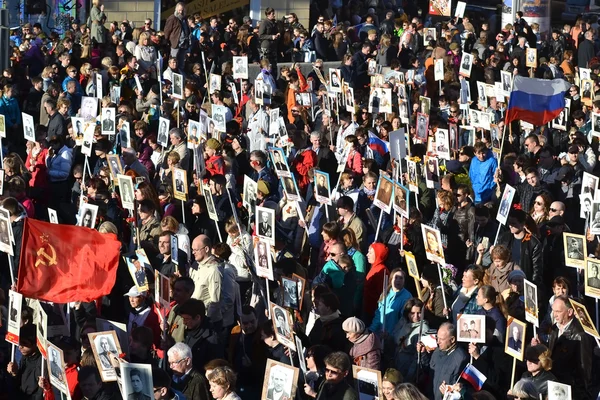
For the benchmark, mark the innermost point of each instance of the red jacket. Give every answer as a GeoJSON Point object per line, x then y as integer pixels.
{"type": "Point", "coordinates": [304, 161]}
{"type": "Point", "coordinates": [215, 166]}
{"type": "Point", "coordinates": [374, 280]}
{"type": "Point", "coordinates": [39, 175]}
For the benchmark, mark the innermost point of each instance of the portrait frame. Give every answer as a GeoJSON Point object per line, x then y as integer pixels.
{"type": "Point", "coordinates": [265, 234]}
{"type": "Point", "coordinates": [214, 83]}
{"type": "Point", "coordinates": [210, 203]}
{"type": "Point", "coordinates": [127, 191]}
{"type": "Point", "coordinates": [162, 137]}
{"type": "Point", "coordinates": [262, 270]}
{"type": "Point", "coordinates": [505, 204]}
{"type": "Point", "coordinates": [144, 374]}
{"type": "Point", "coordinates": [506, 80]}
{"type": "Point", "coordinates": [277, 166]}
{"type": "Point", "coordinates": [591, 284]}
{"type": "Point", "coordinates": [594, 222]}
{"type": "Point", "coordinates": [553, 387]}
{"type": "Point", "coordinates": [289, 287]}
{"type": "Point", "coordinates": [278, 369]}
{"type": "Point", "coordinates": [2, 126]}
{"type": "Point", "coordinates": [442, 143]}
{"type": "Point", "coordinates": [589, 180]}
{"type": "Point", "coordinates": [466, 65]}
{"type": "Point", "coordinates": [301, 283]}
{"type": "Point", "coordinates": [411, 265]}
{"type": "Point", "coordinates": [13, 319]}
{"type": "Point", "coordinates": [106, 325]}
{"type": "Point", "coordinates": [413, 175]}
{"type": "Point", "coordinates": [432, 255]}
{"type": "Point", "coordinates": [6, 236]}
{"type": "Point", "coordinates": [193, 141]}
{"type": "Point", "coordinates": [532, 309]}
{"type": "Point", "coordinates": [290, 188]}
{"type": "Point", "coordinates": [284, 329]}
{"type": "Point", "coordinates": [249, 194]}
{"type": "Point", "coordinates": [438, 71]}
{"type": "Point", "coordinates": [88, 139]}
{"type": "Point", "coordinates": [115, 166]}
{"type": "Point", "coordinates": [475, 321]}
{"type": "Point", "coordinates": [397, 203]}
{"type": "Point", "coordinates": [142, 286]}
{"type": "Point", "coordinates": [107, 371]}
{"type": "Point", "coordinates": [531, 57]}
{"type": "Point", "coordinates": [368, 382]}
{"type": "Point", "coordinates": [384, 194]}
{"type": "Point", "coordinates": [41, 327]}
{"type": "Point", "coordinates": [177, 86]}
{"type": "Point", "coordinates": [52, 216]}
{"type": "Point", "coordinates": [422, 127]}
{"type": "Point", "coordinates": [335, 87]}
{"type": "Point", "coordinates": [28, 127]}
{"type": "Point", "coordinates": [586, 321]}
{"type": "Point", "coordinates": [570, 260]}
{"type": "Point", "coordinates": [322, 192]}
{"type": "Point", "coordinates": [432, 178]}
{"type": "Point", "coordinates": [508, 349]}
{"type": "Point", "coordinates": [109, 121]}
{"type": "Point", "coordinates": [56, 372]}
{"type": "Point", "coordinates": [180, 185]}
{"type": "Point", "coordinates": [240, 67]}
{"type": "Point", "coordinates": [83, 209]}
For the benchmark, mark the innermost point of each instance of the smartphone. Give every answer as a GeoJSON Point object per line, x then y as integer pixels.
{"type": "Point", "coordinates": [485, 242]}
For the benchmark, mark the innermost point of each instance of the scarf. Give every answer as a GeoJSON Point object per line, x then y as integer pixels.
{"type": "Point", "coordinates": [330, 317]}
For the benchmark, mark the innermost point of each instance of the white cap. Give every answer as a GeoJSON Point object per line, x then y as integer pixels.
{"type": "Point", "coordinates": [134, 292]}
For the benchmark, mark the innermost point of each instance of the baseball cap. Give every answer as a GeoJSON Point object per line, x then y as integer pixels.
{"type": "Point", "coordinates": [134, 292]}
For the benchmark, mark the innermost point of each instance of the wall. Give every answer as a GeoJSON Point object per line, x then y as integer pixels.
{"type": "Point", "coordinates": [133, 11]}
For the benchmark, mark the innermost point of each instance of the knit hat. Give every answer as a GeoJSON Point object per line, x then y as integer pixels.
{"type": "Point", "coordinates": [263, 187]}
{"type": "Point", "coordinates": [213, 143]}
{"type": "Point", "coordinates": [515, 274]}
{"type": "Point", "coordinates": [353, 325]}
{"type": "Point", "coordinates": [393, 376]}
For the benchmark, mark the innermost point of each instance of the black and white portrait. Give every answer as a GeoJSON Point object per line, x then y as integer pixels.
{"type": "Point", "coordinates": [262, 259]}
{"type": "Point", "coordinates": [422, 125]}
{"type": "Point", "coordinates": [240, 67]}
{"type": "Point", "coordinates": [215, 83]}
{"type": "Point", "coordinates": [5, 242]}
{"type": "Point", "coordinates": [265, 222]}
{"type": "Point", "coordinates": [55, 365]}
{"type": "Point", "coordinates": [280, 381]}
{"type": "Point", "coordinates": [558, 391]}
{"type": "Point", "coordinates": [28, 127]}
{"type": "Point", "coordinates": [289, 288]}
{"type": "Point", "coordinates": [589, 184]}
{"type": "Point", "coordinates": [575, 249]}
{"type": "Point", "coordinates": [137, 381]}
{"type": "Point", "coordinates": [125, 135]}
{"type": "Point", "coordinates": [87, 215]}
{"type": "Point", "coordinates": [219, 116]}
{"type": "Point", "coordinates": [505, 203]}
{"type": "Point", "coordinates": [335, 81]}
{"type": "Point", "coordinates": [592, 278]}
{"type": "Point", "coordinates": [322, 187]}
{"type": "Point", "coordinates": [283, 326]}
{"type": "Point", "coordinates": [506, 79]}
{"type": "Point", "coordinates": [89, 108]}
{"type": "Point", "coordinates": [163, 132]}
{"type": "Point", "coordinates": [15, 303]}
{"type": "Point", "coordinates": [515, 338]}
{"type": "Point", "coordinates": [108, 121]}
{"type": "Point", "coordinates": [531, 303]}
{"type": "Point", "coordinates": [289, 187]}
{"type": "Point", "coordinates": [466, 64]}
{"type": "Point", "coordinates": [177, 86]}
{"type": "Point", "coordinates": [127, 191]}
{"type": "Point", "coordinates": [210, 204]}
{"type": "Point", "coordinates": [249, 200]}
{"type": "Point", "coordinates": [104, 347]}
{"type": "Point", "coordinates": [439, 69]}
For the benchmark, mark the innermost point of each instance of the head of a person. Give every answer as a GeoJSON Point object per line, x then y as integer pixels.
{"type": "Point", "coordinates": [337, 366]}
{"type": "Point", "coordinates": [89, 381]}
{"type": "Point", "coordinates": [472, 277]}
{"type": "Point", "coordinates": [201, 247]}
{"type": "Point", "coordinates": [446, 336]}
{"type": "Point", "coordinates": [222, 382]}
{"type": "Point", "coordinates": [561, 286]}
{"type": "Point", "coordinates": [345, 206]}
{"type": "Point", "coordinates": [538, 359]}
{"type": "Point", "coordinates": [486, 295]}
{"type": "Point", "coordinates": [526, 390]}
{"type": "Point", "coordinates": [326, 304]}
{"type": "Point", "coordinates": [516, 221]}
{"type": "Point", "coordinates": [192, 313]}
{"type": "Point", "coordinates": [180, 359]}
{"type": "Point", "coordinates": [562, 310]}
{"type": "Point", "coordinates": [248, 320]}
{"type": "Point", "coordinates": [354, 328]}
{"type": "Point", "coordinates": [480, 150]}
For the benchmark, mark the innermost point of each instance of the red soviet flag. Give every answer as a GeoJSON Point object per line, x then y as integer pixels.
{"type": "Point", "coordinates": [63, 263]}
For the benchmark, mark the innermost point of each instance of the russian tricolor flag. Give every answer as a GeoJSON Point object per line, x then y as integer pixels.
{"type": "Point", "coordinates": [536, 101]}
{"type": "Point", "coordinates": [378, 144]}
{"type": "Point", "coordinates": [473, 376]}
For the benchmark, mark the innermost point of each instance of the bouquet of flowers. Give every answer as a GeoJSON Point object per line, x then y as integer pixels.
{"type": "Point", "coordinates": [448, 276]}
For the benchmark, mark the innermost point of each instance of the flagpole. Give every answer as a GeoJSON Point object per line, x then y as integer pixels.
{"type": "Point", "coordinates": [512, 85]}
{"type": "Point", "coordinates": [442, 286]}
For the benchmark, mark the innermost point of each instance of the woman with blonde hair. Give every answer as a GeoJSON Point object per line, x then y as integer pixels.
{"type": "Point", "coordinates": [47, 77]}
{"type": "Point", "coordinates": [407, 391]}
{"type": "Point", "coordinates": [222, 383]}
{"type": "Point", "coordinates": [385, 52]}
{"type": "Point", "coordinates": [539, 365]}
{"type": "Point", "coordinates": [146, 55]}
{"type": "Point", "coordinates": [97, 19]}
{"type": "Point", "coordinates": [85, 74]}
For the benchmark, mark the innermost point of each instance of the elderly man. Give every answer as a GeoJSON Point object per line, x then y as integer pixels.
{"type": "Point", "coordinates": [571, 349]}
{"type": "Point", "coordinates": [177, 33]}
{"type": "Point", "coordinates": [186, 378]}
{"type": "Point", "coordinates": [447, 361]}
{"type": "Point", "coordinates": [179, 145]}
{"type": "Point", "coordinates": [207, 280]}
{"type": "Point", "coordinates": [131, 162]}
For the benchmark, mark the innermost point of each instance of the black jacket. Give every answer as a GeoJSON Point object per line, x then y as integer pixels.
{"type": "Point", "coordinates": [33, 104]}
{"type": "Point", "coordinates": [330, 334]}
{"type": "Point", "coordinates": [205, 344]}
{"type": "Point", "coordinates": [56, 126]}
{"type": "Point", "coordinates": [572, 354]}
{"type": "Point", "coordinates": [193, 386]}
{"type": "Point", "coordinates": [532, 257]}
{"type": "Point", "coordinates": [26, 380]}
{"type": "Point", "coordinates": [266, 31]}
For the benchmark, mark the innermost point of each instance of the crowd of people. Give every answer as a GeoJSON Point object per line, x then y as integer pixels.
{"type": "Point", "coordinates": [327, 236]}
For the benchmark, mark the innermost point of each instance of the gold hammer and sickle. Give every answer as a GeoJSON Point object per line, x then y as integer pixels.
{"type": "Point", "coordinates": [41, 253]}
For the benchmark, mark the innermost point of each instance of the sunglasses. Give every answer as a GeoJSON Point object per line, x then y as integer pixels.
{"type": "Point", "coordinates": [553, 209]}
{"type": "Point", "coordinates": [332, 372]}
{"type": "Point", "coordinates": [539, 203]}
{"type": "Point", "coordinates": [332, 254]}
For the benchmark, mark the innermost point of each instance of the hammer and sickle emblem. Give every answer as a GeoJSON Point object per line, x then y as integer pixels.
{"type": "Point", "coordinates": [41, 255]}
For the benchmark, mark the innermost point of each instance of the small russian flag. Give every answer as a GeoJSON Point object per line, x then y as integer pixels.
{"type": "Point", "coordinates": [378, 144]}
{"type": "Point", "coordinates": [473, 376]}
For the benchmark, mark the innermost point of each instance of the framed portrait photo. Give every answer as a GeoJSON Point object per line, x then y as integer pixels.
{"type": "Point", "coordinates": [281, 381]}
{"type": "Point", "coordinates": [105, 325]}
{"type": "Point", "coordinates": [514, 344]}
{"type": "Point", "coordinates": [137, 270]}
{"type": "Point", "coordinates": [265, 224]}
{"type": "Point", "coordinates": [210, 203]}
{"type": "Point", "coordinates": [301, 283]}
{"type": "Point", "coordinates": [368, 382]}
{"type": "Point", "coordinates": [178, 86]}
{"type": "Point", "coordinates": [505, 204]}
{"type": "Point", "coordinates": [106, 348]}
{"type": "Point", "coordinates": [279, 162]}
{"type": "Point", "coordinates": [108, 121]}
{"type": "Point", "coordinates": [249, 195]}
{"type": "Point", "coordinates": [15, 303]}
{"type": "Point", "coordinates": [531, 60]}
{"type": "Point", "coordinates": [383, 195]}
{"type": "Point", "coordinates": [559, 391]}
{"type": "Point", "coordinates": [240, 67]}
{"type": "Point", "coordinates": [180, 186]}
{"type": "Point", "coordinates": [466, 64]}
{"type": "Point", "coordinates": [136, 380]}
{"type": "Point", "coordinates": [262, 259]}
{"type": "Point", "coordinates": [411, 264]}
{"type": "Point", "coordinates": [127, 191]}
{"type": "Point", "coordinates": [532, 310]}
{"type": "Point", "coordinates": [592, 277]}
{"type": "Point", "coordinates": [2, 126]}
{"type": "Point", "coordinates": [115, 166]}
{"type": "Point", "coordinates": [289, 291]}
{"type": "Point", "coordinates": [594, 223]}
{"type": "Point", "coordinates": [322, 189]}
{"type": "Point", "coordinates": [470, 328]}
{"type": "Point", "coordinates": [56, 367]}
{"type": "Point", "coordinates": [575, 250]}
{"type": "Point", "coordinates": [283, 326]}
{"type": "Point", "coordinates": [433, 244]}
{"type": "Point", "coordinates": [290, 188]}
{"type": "Point", "coordinates": [28, 127]}
{"type": "Point", "coordinates": [401, 199]}
{"type": "Point", "coordinates": [87, 215]}
{"type": "Point", "coordinates": [584, 318]}
{"type": "Point", "coordinates": [163, 131]}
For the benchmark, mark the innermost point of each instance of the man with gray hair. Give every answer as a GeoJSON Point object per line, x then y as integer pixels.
{"type": "Point", "coordinates": [447, 361]}
{"type": "Point", "coordinates": [179, 145]}
{"type": "Point", "coordinates": [186, 378]}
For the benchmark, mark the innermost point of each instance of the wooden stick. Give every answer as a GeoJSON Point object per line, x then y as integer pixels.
{"type": "Point", "coordinates": [442, 286]}
{"type": "Point", "coordinates": [497, 234]}
{"type": "Point", "coordinates": [268, 297]}
{"type": "Point", "coordinates": [378, 223]}
{"type": "Point", "coordinates": [512, 375]}
{"type": "Point", "coordinates": [183, 211]}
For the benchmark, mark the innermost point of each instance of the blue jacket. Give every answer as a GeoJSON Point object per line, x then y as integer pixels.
{"type": "Point", "coordinates": [78, 88]}
{"type": "Point", "coordinates": [481, 174]}
{"type": "Point", "coordinates": [9, 107]}
{"type": "Point", "coordinates": [392, 313]}
{"type": "Point", "coordinates": [59, 165]}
